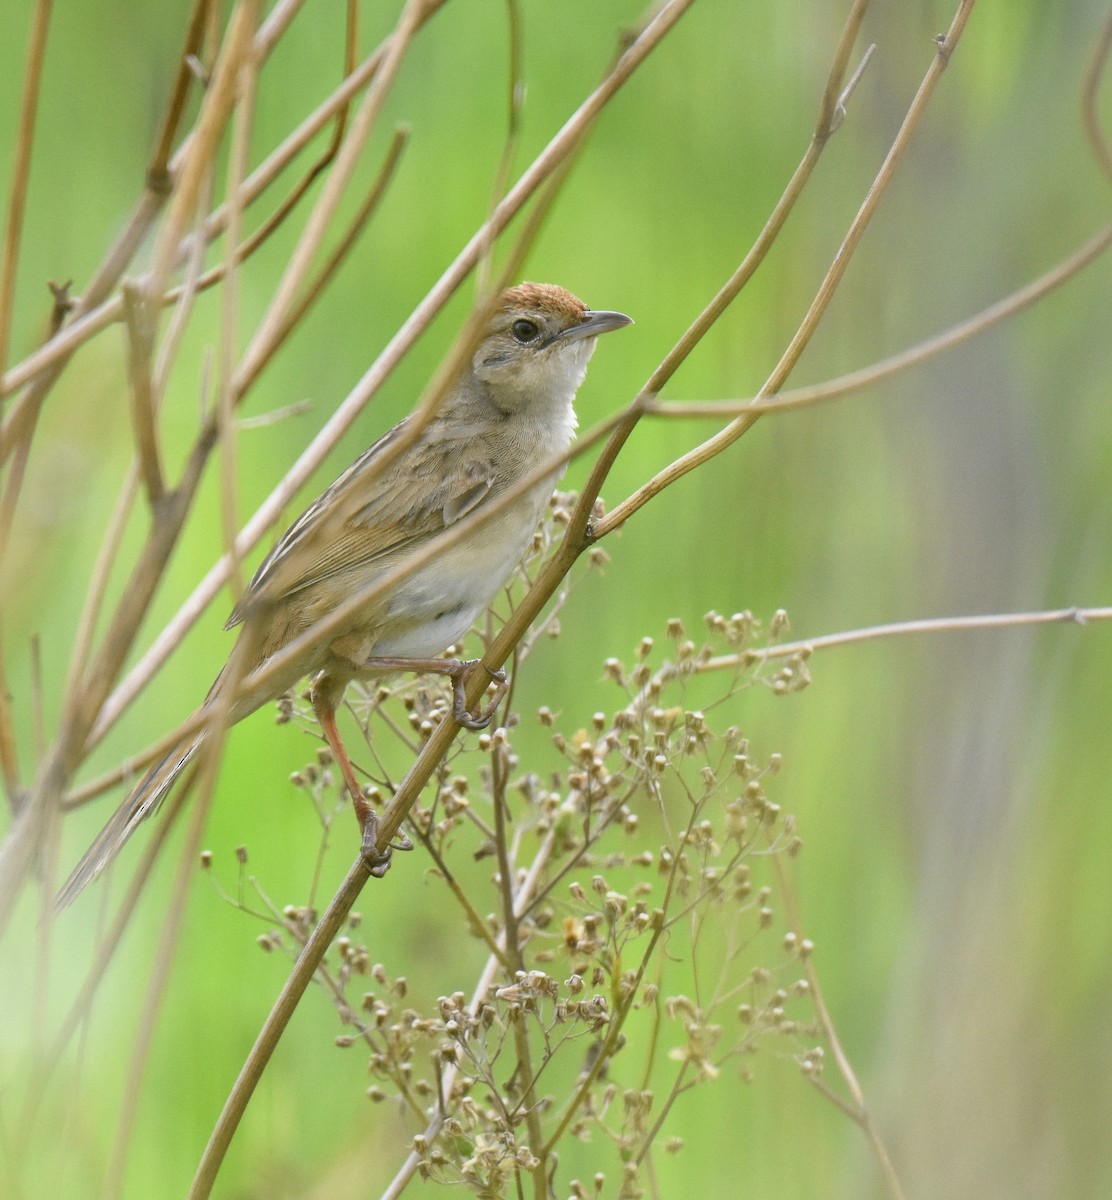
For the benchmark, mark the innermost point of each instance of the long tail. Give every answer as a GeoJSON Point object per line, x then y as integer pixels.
{"type": "Point", "coordinates": [145, 797]}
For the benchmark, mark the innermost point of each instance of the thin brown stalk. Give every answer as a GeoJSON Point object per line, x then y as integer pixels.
{"type": "Point", "coordinates": [334, 107]}
{"type": "Point", "coordinates": [932, 625]}
{"type": "Point", "coordinates": [830, 116]}
{"type": "Point", "coordinates": [347, 242]}
{"type": "Point", "coordinates": [268, 335]}
{"type": "Point", "coordinates": [82, 329]}
{"type": "Point", "coordinates": [299, 979]}
{"type": "Point", "coordinates": [62, 759]}
{"type": "Point", "coordinates": [514, 104]}
{"type": "Point", "coordinates": [525, 1071]}
{"type": "Point", "coordinates": [275, 25]}
{"type": "Point", "coordinates": [13, 486]}
{"type": "Point", "coordinates": [116, 526]}
{"type": "Point", "coordinates": [858, 1111]}
{"type": "Point", "coordinates": [19, 421]}
{"type": "Point", "coordinates": [21, 172]}
{"type": "Point", "coordinates": [817, 309]}
{"type": "Point", "coordinates": [216, 109]}
{"type": "Point", "coordinates": [159, 176]}
{"type": "Point", "coordinates": [228, 349]}
{"type": "Point", "coordinates": [856, 381]}
{"type": "Point", "coordinates": [9, 757]}
{"type": "Point", "coordinates": [478, 926]}
{"type": "Point", "coordinates": [1090, 96]}
{"type": "Point", "coordinates": [97, 314]}
{"type": "Point", "coordinates": [301, 188]}
{"type": "Point", "coordinates": [140, 341]}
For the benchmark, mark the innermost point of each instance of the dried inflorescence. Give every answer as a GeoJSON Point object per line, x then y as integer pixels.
{"type": "Point", "coordinates": [628, 867]}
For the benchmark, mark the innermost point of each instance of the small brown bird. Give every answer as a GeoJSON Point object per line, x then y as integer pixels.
{"type": "Point", "coordinates": [510, 410]}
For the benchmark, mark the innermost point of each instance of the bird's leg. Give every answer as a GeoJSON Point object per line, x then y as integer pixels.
{"type": "Point", "coordinates": [457, 671]}
{"type": "Point", "coordinates": [484, 716]}
{"type": "Point", "coordinates": [324, 696]}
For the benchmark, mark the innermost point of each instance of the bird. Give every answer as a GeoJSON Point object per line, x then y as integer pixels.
{"type": "Point", "coordinates": [510, 409]}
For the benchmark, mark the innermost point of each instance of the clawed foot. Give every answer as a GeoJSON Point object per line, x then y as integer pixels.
{"type": "Point", "coordinates": [457, 671]}
{"type": "Point", "coordinates": [484, 716]}
{"type": "Point", "coordinates": [378, 861]}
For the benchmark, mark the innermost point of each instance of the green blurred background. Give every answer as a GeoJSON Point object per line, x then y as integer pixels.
{"type": "Point", "coordinates": [952, 791]}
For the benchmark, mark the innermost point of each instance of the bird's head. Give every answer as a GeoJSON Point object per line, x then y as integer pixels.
{"type": "Point", "coordinates": [535, 350]}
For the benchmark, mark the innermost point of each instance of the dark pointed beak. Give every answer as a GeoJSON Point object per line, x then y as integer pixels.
{"type": "Point", "coordinates": [594, 323]}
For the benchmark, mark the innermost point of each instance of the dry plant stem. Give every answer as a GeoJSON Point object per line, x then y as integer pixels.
{"type": "Point", "coordinates": [275, 25]}
{"type": "Point", "coordinates": [855, 381]}
{"type": "Point", "coordinates": [133, 764]}
{"type": "Point", "coordinates": [1059, 616]}
{"type": "Point", "coordinates": [830, 116]}
{"type": "Point", "coordinates": [674, 1092]}
{"type": "Point", "coordinates": [57, 767]}
{"type": "Point", "coordinates": [300, 977]}
{"type": "Point", "coordinates": [1090, 95]}
{"type": "Point", "coordinates": [97, 314]}
{"type": "Point", "coordinates": [515, 100]}
{"type": "Point", "coordinates": [139, 320]}
{"type": "Point", "coordinates": [535, 175]}
{"type": "Point", "coordinates": [9, 759]}
{"type": "Point", "coordinates": [21, 173]}
{"type": "Point", "coordinates": [158, 170]}
{"type": "Point", "coordinates": [342, 249]}
{"type": "Point", "coordinates": [152, 561]}
{"type": "Point", "coordinates": [268, 335]}
{"type": "Point", "coordinates": [216, 109]}
{"type": "Point", "coordinates": [184, 299]}
{"type": "Point", "coordinates": [525, 897]}
{"type": "Point", "coordinates": [334, 105]}
{"type": "Point", "coordinates": [18, 428]}
{"type": "Point", "coordinates": [20, 420]}
{"type": "Point", "coordinates": [226, 395]}
{"type": "Point", "coordinates": [859, 1112]}
{"type": "Point", "coordinates": [515, 962]}
{"type": "Point", "coordinates": [726, 437]}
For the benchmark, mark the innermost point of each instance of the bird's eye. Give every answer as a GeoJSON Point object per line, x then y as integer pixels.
{"type": "Point", "coordinates": [524, 331]}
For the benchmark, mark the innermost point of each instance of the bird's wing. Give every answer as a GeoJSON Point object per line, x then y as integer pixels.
{"type": "Point", "coordinates": [366, 518]}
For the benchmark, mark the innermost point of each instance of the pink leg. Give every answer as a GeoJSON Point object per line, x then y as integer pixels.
{"type": "Point", "coordinates": [378, 861]}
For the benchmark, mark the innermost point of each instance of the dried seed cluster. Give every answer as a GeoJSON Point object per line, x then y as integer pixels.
{"type": "Point", "coordinates": [625, 877]}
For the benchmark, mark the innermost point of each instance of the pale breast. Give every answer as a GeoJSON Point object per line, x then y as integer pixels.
{"type": "Point", "coordinates": [437, 605]}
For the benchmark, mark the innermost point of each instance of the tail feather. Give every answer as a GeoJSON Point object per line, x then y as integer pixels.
{"type": "Point", "coordinates": [145, 797]}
